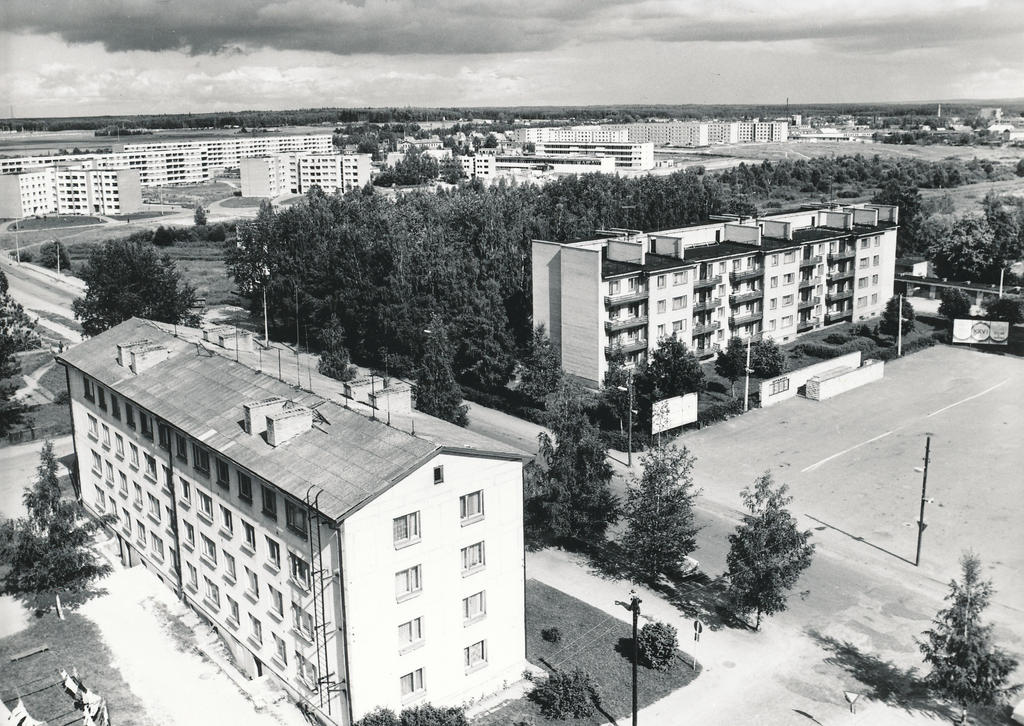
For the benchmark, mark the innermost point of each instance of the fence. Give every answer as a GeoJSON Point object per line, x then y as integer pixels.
{"type": "Point", "coordinates": [785, 386]}
{"type": "Point", "coordinates": [34, 433]}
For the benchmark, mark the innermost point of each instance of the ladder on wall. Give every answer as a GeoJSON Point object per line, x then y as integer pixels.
{"type": "Point", "coordinates": [320, 582]}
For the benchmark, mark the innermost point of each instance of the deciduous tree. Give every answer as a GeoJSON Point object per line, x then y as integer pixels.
{"type": "Point", "coordinates": [766, 359]}
{"type": "Point", "coordinates": [732, 362]}
{"type": "Point", "coordinates": [334, 359]}
{"type": "Point", "coordinates": [199, 216]}
{"type": "Point", "coordinates": [1008, 308]}
{"type": "Point", "coordinates": [11, 411]}
{"type": "Point", "coordinates": [53, 252]}
{"type": "Point", "coordinates": [767, 553]}
{"type": "Point", "coordinates": [955, 304]}
{"type": "Point", "coordinates": [437, 392]}
{"type": "Point", "coordinates": [968, 252]}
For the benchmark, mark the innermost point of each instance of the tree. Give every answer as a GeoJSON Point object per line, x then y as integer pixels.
{"type": "Point", "coordinates": [732, 362]}
{"type": "Point", "coordinates": [766, 359]}
{"type": "Point", "coordinates": [908, 199]}
{"type": "Point", "coordinates": [660, 529]}
{"type": "Point", "coordinates": [767, 552]}
{"type": "Point", "coordinates": [966, 665]}
{"type": "Point", "coordinates": [567, 694]}
{"type": "Point", "coordinates": [577, 500]}
{"type": "Point", "coordinates": [249, 261]}
{"type": "Point", "coordinates": [889, 324]}
{"type": "Point", "coordinates": [955, 303]}
{"type": "Point", "coordinates": [615, 389]}
{"type": "Point", "coordinates": [542, 369]}
{"type": "Point", "coordinates": [126, 278]}
{"type": "Point", "coordinates": [437, 392]}
{"type": "Point", "coordinates": [1019, 171]}
{"type": "Point", "coordinates": [4, 284]}
{"type": "Point", "coordinates": [335, 361]}
{"type": "Point", "coordinates": [656, 645]}
{"type": "Point", "coordinates": [17, 329]}
{"type": "Point", "coordinates": [379, 717]}
{"type": "Point", "coordinates": [52, 253]}
{"type": "Point", "coordinates": [672, 369]}
{"type": "Point", "coordinates": [11, 410]}
{"type": "Point", "coordinates": [49, 550]}
{"type": "Point", "coordinates": [1009, 309]}
{"type": "Point", "coordinates": [451, 171]}
{"type": "Point", "coordinates": [199, 217]}
{"type": "Point", "coordinates": [968, 252]}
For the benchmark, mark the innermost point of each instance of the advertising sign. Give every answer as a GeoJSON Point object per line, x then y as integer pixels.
{"type": "Point", "coordinates": [671, 413]}
{"type": "Point", "coordinates": [987, 332]}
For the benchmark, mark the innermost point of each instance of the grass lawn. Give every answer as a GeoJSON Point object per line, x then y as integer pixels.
{"type": "Point", "coordinates": [234, 202]}
{"type": "Point", "coordinates": [57, 221]}
{"type": "Point", "coordinates": [55, 318]}
{"type": "Point", "coordinates": [189, 195]}
{"type": "Point", "coordinates": [138, 215]}
{"type": "Point", "coordinates": [54, 418]}
{"type": "Point", "coordinates": [74, 642]}
{"type": "Point", "coordinates": [591, 641]}
{"type": "Point", "coordinates": [54, 380]}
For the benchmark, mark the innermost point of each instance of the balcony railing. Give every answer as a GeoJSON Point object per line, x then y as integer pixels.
{"type": "Point", "coordinates": [629, 347]}
{"type": "Point", "coordinates": [837, 296]}
{"type": "Point", "coordinates": [810, 261]}
{"type": "Point", "coordinates": [625, 297]}
{"type": "Point", "coordinates": [842, 275]}
{"type": "Point", "coordinates": [808, 303]}
{"type": "Point", "coordinates": [742, 297]}
{"type": "Point", "coordinates": [838, 316]}
{"type": "Point", "coordinates": [711, 325]}
{"type": "Point", "coordinates": [804, 325]}
{"type": "Point", "coordinates": [737, 320]}
{"type": "Point", "coordinates": [702, 282]}
{"type": "Point", "coordinates": [709, 304]}
{"type": "Point", "coordinates": [623, 323]}
{"type": "Point", "coordinates": [842, 255]}
{"type": "Point", "coordinates": [706, 351]}
{"type": "Point", "coordinates": [806, 282]}
{"type": "Point", "coordinates": [748, 274]}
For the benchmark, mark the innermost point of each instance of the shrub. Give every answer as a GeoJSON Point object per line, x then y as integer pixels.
{"type": "Point", "coordinates": [567, 694]}
{"type": "Point", "coordinates": [836, 339]}
{"type": "Point", "coordinates": [720, 411]}
{"type": "Point", "coordinates": [717, 387]}
{"type": "Point", "coordinates": [428, 715]}
{"type": "Point", "coordinates": [379, 717]}
{"type": "Point", "coordinates": [862, 331]}
{"type": "Point", "coordinates": [25, 256]}
{"type": "Point", "coordinates": [552, 635]}
{"type": "Point", "coordinates": [62, 398]}
{"type": "Point", "coordinates": [656, 645]}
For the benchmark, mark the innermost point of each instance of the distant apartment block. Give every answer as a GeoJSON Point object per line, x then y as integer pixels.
{"type": "Point", "coordinates": [78, 188]}
{"type": "Point", "coordinates": [276, 174]}
{"type": "Point", "coordinates": [357, 563]}
{"type": "Point", "coordinates": [668, 133]}
{"type": "Point", "coordinates": [775, 276]}
{"type": "Point", "coordinates": [627, 155]}
{"type": "Point", "coordinates": [489, 166]}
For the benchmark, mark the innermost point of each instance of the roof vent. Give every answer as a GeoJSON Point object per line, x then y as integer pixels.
{"type": "Point", "coordinates": [286, 424]}
{"type": "Point", "coordinates": [256, 413]}
{"type": "Point", "coordinates": [145, 357]}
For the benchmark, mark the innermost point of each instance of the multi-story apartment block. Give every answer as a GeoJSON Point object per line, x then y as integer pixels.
{"type": "Point", "coordinates": [627, 155]}
{"type": "Point", "coordinates": [667, 133]}
{"type": "Point", "coordinates": [775, 276]}
{"type": "Point", "coordinates": [360, 564]}
{"type": "Point", "coordinates": [270, 176]}
{"type": "Point", "coordinates": [81, 188]}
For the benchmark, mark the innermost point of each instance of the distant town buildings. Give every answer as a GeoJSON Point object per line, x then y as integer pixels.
{"type": "Point", "coordinates": [775, 277]}
{"type": "Point", "coordinates": [358, 563]}
{"type": "Point", "coordinates": [667, 133]}
{"type": "Point", "coordinates": [272, 175]}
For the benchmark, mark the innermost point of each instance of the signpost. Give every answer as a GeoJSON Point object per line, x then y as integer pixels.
{"type": "Point", "coordinates": [851, 698]}
{"type": "Point", "coordinates": [671, 413]}
{"type": "Point", "coordinates": [698, 628]}
{"type": "Point", "coordinates": [986, 332]}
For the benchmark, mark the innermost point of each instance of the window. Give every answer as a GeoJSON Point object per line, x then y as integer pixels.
{"type": "Point", "coordinates": [209, 549]}
{"type": "Point", "coordinates": [787, 321]}
{"type": "Point", "coordinates": [212, 592]}
{"type": "Point", "coordinates": [787, 300]}
{"type": "Point", "coordinates": [119, 446]}
{"type": "Point", "coordinates": [412, 683]}
{"type": "Point", "coordinates": [133, 458]}
{"type": "Point", "coordinates": [789, 278]}
{"type": "Point", "coordinates": [775, 261]}
{"type": "Point", "coordinates": [678, 326]}
{"type": "Point", "coordinates": [472, 558]}
{"type": "Point", "coordinates": [274, 552]}
{"type": "Point", "coordinates": [244, 487]}
{"type": "Point", "coordinates": [229, 564]}
{"type": "Point", "coordinates": [101, 499]}
{"type": "Point", "coordinates": [90, 392]}
{"type": "Point", "coordinates": [862, 282]}
{"type": "Point", "coordinates": [307, 670]}
{"type": "Point", "coordinates": [124, 482]}
{"type": "Point", "coordinates": [180, 447]}
{"type": "Point", "coordinates": [227, 523]}
{"type": "Point", "coordinates": [200, 459]}
{"type": "Point", "coordinates": [140, 533]}
{"type": "Point", "coordinates": [97, 463]}
{"type": "Point", "coordinates": [661, 281]}
{"type": "Point", "coordinates": [150, 467]}
{"type": "Point", "coordinates": [774, 282]}
{"type": "Point", "coordinates": [94, 427]}
{"type": "Point", "coordinates": [471, 507]}
{"type": "Point", "coordinates": [875, 261]}
{"type": "Point", "coordinates": [250, 535]}
{"type": "Point", "coordinates": [410, 633]}
{"type": "Point", "coordinates": [661, 331]}
{"type": "Point", "coordinates": [138, 496]}
{"type": "Point", "coordinates": [874, 298]}
{"type": "Point", "coordinates": [126, 520]}
{"type": "Point", "coordinates": [865, 243]}
{"type": "Point", "coordinates": [295, 515]}
{"type": "Point", "coordinates": [253, 581]}
{"type": "Point", "coordinates": [269, 501]}
{"type": "Point", "coordinates": [222, 473]}
{"type": "Point", "coordinates": [863, 262]}
{"type": "Point", "coordinates": [662, 306]}
{"type": "Point", "coordinates": [771, 325]}
{"type": "Point", "coordinates": [862, 301]}
{"type": "Point", "coordinates": [190, 533]}
{"type": "Point", "coordinates": [439, 474]}
{"type": "Point", "coordinates": [789, 257]}
{"type": "Point", "coordinates": [632, 283]}
{"type": "Point", "coordinates": [146, 425]}
{"type": "Point", "coordinates": [475, 656]}
{"type": "Point", "coordinates": [193, 576]}
{"type": "Point", "coordinates": [255, 629]}
{"type": "Point", "coordinates": [232, 609]}
{"type": "Point", "coordinates": [299, 568]}
{"type": "Point", "coordinates": [129, 416]}
{"type": "Point", "coordinates": [276, 600]}
{"type": "Point", "coordinates": [186, 489]}
{"type": "Point", "coordinates": [874, 279]}
{"type": "Point", "coordinates": [101, 396]}
{"type": "Point", "coordinates": [408, 582]}
{"type": "Point", "coordinates": [678, 278]}
{"type": "Point", "coordinates": [773, 303]}
{"type": "Point", "coordinates": [406, 529]}
{"type": "Point", "coordinates": [474, 607]}
{"type": "Point", "coordinates": [115, 407]}
{"type": "Point", "coordinates": [302, 620]}
{"type": "Point", "coordinates": [280, 650]}
{"type": "Point", "coordinates": [154, 507]}
{"type": "Point", "coordinates": [163, 436]}
{"type": "Point", "coordinates": [205, 504]}
{"type": "Point", "coordinates": [780, 386]}
{"type": "Point", "coordinates": [613, 287]}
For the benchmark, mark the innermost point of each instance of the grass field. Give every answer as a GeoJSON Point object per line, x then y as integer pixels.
{"type": "Point", "coordinates": [803, 150]}
{"type": "Point", "coordinates": [968, 198]}
{"type": "Point", "coordinates": [241, 202]}
{"type": "Point", "coordinates": [56, 222]}
{"type": "Point", "coordinates": [593, 642]}
{"type": "Point", "coordinates": [138, 215]}
{"type": "Point", "coordinates": [189, 195]}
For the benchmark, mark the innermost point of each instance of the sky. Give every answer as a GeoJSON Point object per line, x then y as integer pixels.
{"type": "Point", "coordinates": [92, 57]}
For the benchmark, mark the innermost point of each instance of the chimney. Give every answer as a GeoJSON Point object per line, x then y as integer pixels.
{"type": "Point", "coordinates": [288, 423]}
{"type": "Point", "coordinates": [256, 413]}
{"type": "Point", "coordinates": [124, 351]}
{"type": "Point", "coordinates": [145, 357]}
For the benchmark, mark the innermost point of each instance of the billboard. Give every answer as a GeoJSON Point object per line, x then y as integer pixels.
{"type": "Point", "coordinates": [986, 332]}
{"type": "Point", "coordinates": [671, 413]}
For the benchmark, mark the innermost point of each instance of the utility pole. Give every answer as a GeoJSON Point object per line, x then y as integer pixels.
{"type": "Point", "coordinates": [746, 384]}
{"type": "Point", "coordinates": [266, 323]}
{"type": "Point", "coordinates": [899, 330]}
{"type": "Point", "coordinates": [1001, 271]}
{"type": "Point", "coordinates": [924, 490]}
{"type": "Point", "coordinates": [629, 440]}
{"type": "Point", "coordinates": [634, 606]}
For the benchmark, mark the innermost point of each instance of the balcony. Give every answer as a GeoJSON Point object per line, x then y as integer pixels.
{"type": "Point", "coordinates": [625, 297]}
{"type": "Point", "coordinates": [703, 282]}
{"type": "Point", "coordinates": [751, 273]}
{"type": "Point", "coordinates": [743, 297]}
{"type": "Point", "coordinates": [706, 328]}
{"type": "Point", "coordinates": [807, 282]}
{"type": "Point", "coordinates": [810, 261]}
{"type": "Point", "coordinates": [843, 275]}
{"type": "Point", "coordinates": [612, 326]}
{"type": "Point", "coordinates": [629, 347]}
{"type": "Point", "coordinates": [839, 316]}
{"type": "Point", "coordinates": [805, 325]}
{"type": "Point", "coordinates": [808, 303]}
{"type": "Point", "coordinates": [707, 304]}
{"type": "Point", "coordinates": [847, 254]}
{"type": "Point", "coordinates": [706, 351]}
{"type": "Point", "coordinates": [745, 319]}
{"type": "Point", "coordinates": [837, 296]}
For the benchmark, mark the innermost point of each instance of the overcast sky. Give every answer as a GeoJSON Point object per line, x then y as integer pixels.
{"type": "Point", "coordinates": [73, 57]}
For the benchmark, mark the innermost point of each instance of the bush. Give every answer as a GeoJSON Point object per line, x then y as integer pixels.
{"type": "Point", "coordinates": [720, 411]}
{"type": "Point", "coordinates": [509, 401]}
{"type": "Point", "coordinates": [379, 717]}
{"type": "Point", "coordinates": [717, 387]}
{"type": "Point", "coordinates": [567, 694]}
{"type": "Point", "coordinates": [552, 635]}
{"type": "Point", "coordinates": [656, 645]}
{"type": "Point", "coordinates": [25, 256]}
{"type": "Point", "coordinates": [428, 715]}
{"type": "Point", "coordinates": [62, 398]}
{"type": "Point", "coordinates": [863, 331]}
{"type": "Point", "coordinates": [836, 339]}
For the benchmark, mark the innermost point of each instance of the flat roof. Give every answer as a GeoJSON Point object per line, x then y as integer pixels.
{"type": "Point", "coordinates": [350, 457]}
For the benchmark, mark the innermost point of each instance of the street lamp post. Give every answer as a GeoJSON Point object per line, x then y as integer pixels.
{"type": "Point", "coordinates": [629, 436]}
{"type": "Point", "coordinates": [746, 384]}
{"type": "Point", "coordinates": [899, 330]}
{"type": "Point", "coordinates": [924, 500]}
{"type": "Point", "coordinates": [634, 606]}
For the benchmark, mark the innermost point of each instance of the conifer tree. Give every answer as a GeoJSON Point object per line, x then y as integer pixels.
{"type": "Point", "coordinates": [437, 392]}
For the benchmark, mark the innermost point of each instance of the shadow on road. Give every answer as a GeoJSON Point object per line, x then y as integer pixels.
{"type": "Point", "coordinates": [858, 539]}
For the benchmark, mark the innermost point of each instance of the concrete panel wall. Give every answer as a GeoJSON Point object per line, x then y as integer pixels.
{"type": "Point", "coordinates": [819, 388]}
{"type": "Point", "coordinates": [582, 309]}
{"type": "Point", "coordinates": [787, 384]}
{"type": "Point", "coordinates": [547, 289]}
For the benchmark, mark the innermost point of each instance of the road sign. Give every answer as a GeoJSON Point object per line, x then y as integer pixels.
{"type": "Point", "coordinates": [851, 698]}
{"type": "Point", "coordinates": [698, 628]}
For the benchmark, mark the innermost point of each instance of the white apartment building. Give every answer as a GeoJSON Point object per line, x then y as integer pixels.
{"type": "Point", "coordinates": [359, 564]}
{"type": "Point", "coordinates": [273, 175]}
{"type": "Point", "coordinates": [627, 155]}
{"type": "Point", "coordinates": [667, 133]}
{"type": "Point", "coordinates": [581, 134]}
{"type": "Point", "coordinates": [72, 189]}
{"type": "Point", "coordinates": [774, 277]}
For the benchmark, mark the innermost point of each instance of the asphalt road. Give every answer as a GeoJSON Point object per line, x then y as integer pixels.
{"type": "Point", "coordinates": [17, 470]}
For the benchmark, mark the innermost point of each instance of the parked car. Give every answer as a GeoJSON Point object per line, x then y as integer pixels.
{"type": "Point", "coordinates": [689, 566]}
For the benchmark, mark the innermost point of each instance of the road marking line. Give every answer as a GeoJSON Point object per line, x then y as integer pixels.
{"type": "Point", "coordinates": [846, 451]}
{"type": "Point", "coordinates": [965, 400]}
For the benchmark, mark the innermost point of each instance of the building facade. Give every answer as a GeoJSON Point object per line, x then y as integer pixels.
{"type": "Point", "coordinates": [276, 174]}
{"type": "Point", "coordinates": [773, 277]}
{"type": "Point", "coordinates": [70, 189]}
{"type": "Point", "coordinates": [627, 155]}
{"type": "Point", "coordinates": [664, 133]}
{"type": "Point", "coordinates": [359, 564]}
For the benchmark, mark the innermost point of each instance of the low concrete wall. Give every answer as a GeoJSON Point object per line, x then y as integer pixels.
{"type": "Point", "coordinates": [784, 387]}
{"type": "Point", "coordinates": [823, 387]}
